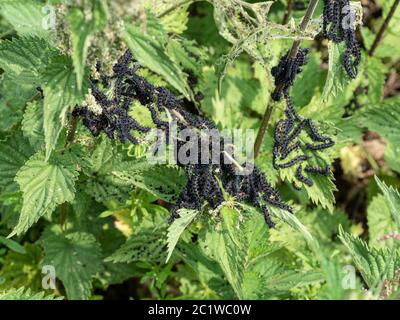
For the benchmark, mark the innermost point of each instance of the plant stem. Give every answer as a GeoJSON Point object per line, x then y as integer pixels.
{"type": "Point", "coordinates": [71, 131]}
{"type": "Point", "coordinates": [292, 55]}
{"type": "Point", "coordinates": [383, 28]}
{"type": "Point", "coordinates": [64, 208]}
{"type": "Point", "coordinates": [288, 12]}
{"type": "Point", "coordinates": [263, 128]}
{"type": "Point", "coordinates": [63, 214]}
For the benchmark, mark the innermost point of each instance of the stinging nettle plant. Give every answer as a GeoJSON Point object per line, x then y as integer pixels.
{"type": "Point", "coordinates": [80, 97]}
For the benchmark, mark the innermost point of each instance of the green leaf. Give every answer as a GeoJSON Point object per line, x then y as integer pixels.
{"type": "Point", "coordinates": [22, 268]}
{"type": "Point", "coordinates": [145, 245]}
{"type": "Point", "coordinates": [32, 124]}
{"type": "Point", "coordinates": [376, 75]}
{"type": "Point", "coordinates": [82, 32]}
{"type": "Point", "coordinates": [321, 192]}
{"type": "Point", "coordinates": [28, 17]}
{"type": "Point", "coordinates": [291, 220]}
{"type": "Point", "coordinates": [76, 258]}
{"type": "Point", "coordinates": [14, 152]}
{"type": "Point", "coordinates": [307, 82]}
{"type": "Point", "coordinates": [380, 223]}
{"type": "Point", "coordinates": [164, 182]}
{"type": "Point", "coordinates": [26, 294]}
{"type": "Point", "coordinates": [393, 199]}
{"type": "Point", "coordinates": [176, 21]}
{"type": "Point", "coordinates": [337, 78]}
{"type": "Point", "coordinates": [176, 229]}
{"type": "Point", "coordinates": [45, 185]}
{"type": "Point", "coordinates": [250, 262]}
{"type": "Point", "coordinates": [375, 265]}
{"type": "Point", "coordinates": [12, 245]}
{"type": "Point", "coordinates": [224, 249]}
{"type": "Point", "coordinates": [392, 156]}
{"type": "Point", "coordinates": [61, 93]}
{"type": "Point", "coordinates": [383, 119]}
{"type": "Point", "coordinates": [152, 55]}
{"type": "Point", "coordinates": [24, 59]}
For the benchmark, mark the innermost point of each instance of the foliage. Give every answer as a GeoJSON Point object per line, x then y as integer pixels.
{"type": "Point", "coordinates": [95, 210]}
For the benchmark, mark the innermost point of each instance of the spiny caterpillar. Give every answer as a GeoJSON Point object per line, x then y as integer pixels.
{"type": "Point", "coordinates": [286, 71]}
{"type": "Point", "coordinates": [338, 26]}
{"type": "Point", "coordinates": [206, 183]}
{"type": "Point", "coordinates": [287, 130]}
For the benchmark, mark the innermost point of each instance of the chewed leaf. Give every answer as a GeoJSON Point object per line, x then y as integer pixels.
{"type": "Point", "coordinates": [177, 228]}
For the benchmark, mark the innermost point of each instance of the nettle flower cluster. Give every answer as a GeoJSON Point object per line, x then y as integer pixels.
{"type": "Point", "coordinates": [206, 182]}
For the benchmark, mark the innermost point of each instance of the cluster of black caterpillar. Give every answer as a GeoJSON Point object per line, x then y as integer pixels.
{"type": "Point", "coordinates": [286, 132]}
{"type": "Point", "coordinates": [205, 182]}
{"type": "Point", "coordinates": [337, 26]}
{"type": "Point", "coordinates": [288, 129]}
{"type": "Point", "coordinates": [286, 71]}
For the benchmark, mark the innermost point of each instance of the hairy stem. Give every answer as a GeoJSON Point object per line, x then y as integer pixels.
{"type": "Point", "coordinates": [292, 55]}
{"type": "Point", "coordinates": [288, 12]}
{"type": "Point", "coordinates": [383, 28]}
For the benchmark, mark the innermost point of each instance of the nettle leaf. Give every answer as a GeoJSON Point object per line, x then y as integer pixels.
{"type": "Point", "coordinates": [383, 119]}
{"type": "Point", "coordinates": [61, 94]}
{"type": "Point", "coordinates": [45, 185]}
{"type": "Point", "coordinates": [164, 182]}
{"type": "Point", "coordinates": [175, 21]}
{"type": "Point", "coordinates": [337, 78]}
{"type": "Point", "coordinates": [176, 229]}
{"type": "Point", "coordinates": [146, 245]}
{"type": "Point", "coordinates": [12, 245]}
{"type": "Point", "coordinates": [102, 185]}
{"type": "Point", "coordinates": [76, 257]}
{"type": "Point", "coordinates": [240, 246]}
{"type": "Point", "coordinates": [22, 267]}
{"type": "Point", "coordinates": [308, 81]}
{"type": "Point", "coordinates": [376, 75]}
{"type": "Point", "coordinates": [292, 221]}
{"type": "Point", "coordinates": [32, 124]}
{"type": "Point", "coordinates": [381, 223]}
{"type": "Point", "coordinates": [26, 294]}
{"type": "Point", "coordinates": [28, 17]}
{"type": "Point", "coordinates": [224, 248]}
{"type": "Point", "coordinates": [24, 59]}
{"type": "Point", "coordinates": [314, 229]}
{"type": "Point", "coordinates": [375, 265]}
{"type": "Point", "coordinates": [321, 192]}
{"type": "Point", "coordinates": [393, 199]}
{"type": "Point", "coordinates": [152, 55]}
{"type": "Point", "coordinates": [82, 32]}
{"type": "Point", "coordinates": [14, 152]}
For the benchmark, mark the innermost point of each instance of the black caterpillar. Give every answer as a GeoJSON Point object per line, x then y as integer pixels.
{"type": "Point", "coordinates": [205, 182]}
{"type": "Point", "coordinates": [286, 71]}
{"type": "Point", "coordinates": [286, 131]}
{"type": "Point", "coordinates": [336, 13]}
